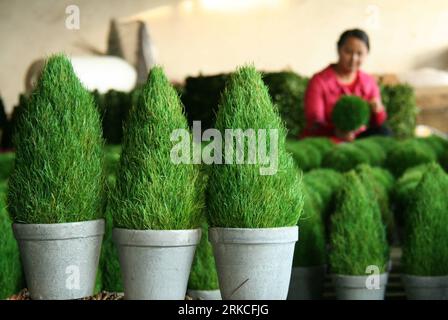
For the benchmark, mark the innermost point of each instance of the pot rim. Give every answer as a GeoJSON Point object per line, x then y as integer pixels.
{"type": "Point", "coordinates": [357, 281]}
{"type": "Point", "coordinates": [425, 281]}
{"type": "Point", "coordinates": [156, 238]}
{"type": "Point", "coordinates": [254, 235]}
{"type": "Point", "coordinates": [58, 231]}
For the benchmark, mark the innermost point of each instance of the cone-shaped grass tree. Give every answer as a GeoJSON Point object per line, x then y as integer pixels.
{"type": "Point", "coordinates": [152, 192]}
{"type": "Point", "coordinates": [57, 175]}
{"type": "Point", "coordinates": [157, 200]}
{"type": "Point", "coordinates": [255, 195]}
{"type": "Point", "coordinates": [425, 250]}
{"type": "Point", "coordinates": [239, 196]}
{"type": "Point", "coordinates": [357, 235]}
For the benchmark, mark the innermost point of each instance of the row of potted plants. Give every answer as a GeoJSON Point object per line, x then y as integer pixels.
{"type": "Point", "coordinates": [420, 266]}
{"type": "Point", "coordinates": [57, 202]}
{"type": "Point", "coordinates": [358, 258]}
{"type": "Point", "coordinates": [57, 191]}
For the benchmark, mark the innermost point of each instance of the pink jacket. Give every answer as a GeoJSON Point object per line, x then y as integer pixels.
{"type": "Point", "coordinates": [323, 92]}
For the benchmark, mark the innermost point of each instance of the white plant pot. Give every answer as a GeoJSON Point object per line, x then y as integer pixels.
{"type": "Point", "coordinates": [253, 264]}
{"type": "Point", "coordinates": [60, 260]}
{"type": "Point", "coordinates": [155, 264]}
{"type": "Point", "coordinates": [426, 288]}
{"type": "Point", "coordinates": [356, 287]}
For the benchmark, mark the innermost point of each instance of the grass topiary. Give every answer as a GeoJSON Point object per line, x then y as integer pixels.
{"type": "Point", "coordinates": [401, 108]}
{"type": "Point", "coordinates": [11, 275]}
{"type": "Point", "coordinates": [357, 235]}
{"type": "Point", "coordinates": [238, 195]}
{"type": "Point", "coordinates": [350, 113]}
{"type": "Point", "coordinates": [425, 249]}
{"type": "Point", "coordinates": [151, 191]}
{"type": "Point", "coordinates": [408, 154]}
{"type": "Point", "coordinates": [383, 177]}
{"type": "Point", "coordinates": [321, 143]}
{"type": "Point", "coordinates": [57, 175]}
{"type": "Point", "coordinates": [311, 250]}
{"type": "Point", "coordinates": [380, 194]}
{"type": "Point", "coordinates": [325, 182]}
{"type": "Point", "coordinates": [374, 152]}
{"type": "Point", "coordinates": [306, 156]}
{"type": "Point", "coordinates": [385, 142]}
{"type": "Point", "coordinates": [438, 144]}
{"type": "Point", "coordinates": [344, 157]}
{"type": "Point", "coordinates": [308, 153]}
{"type": "Point", "coordinates": [402, 194]}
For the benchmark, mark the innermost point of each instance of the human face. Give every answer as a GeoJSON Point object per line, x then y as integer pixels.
{"type": "Point", "coordinates": [352, 54]}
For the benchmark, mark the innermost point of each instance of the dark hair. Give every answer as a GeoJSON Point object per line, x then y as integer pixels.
{"type": "Point", "coordinates": [355, 33]}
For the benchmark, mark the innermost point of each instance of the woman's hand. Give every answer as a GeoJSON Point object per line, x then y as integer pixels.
{"type": "Point", "coordinates": [376, 106]}
{"type": "Point", "coordinates": [345, 135]}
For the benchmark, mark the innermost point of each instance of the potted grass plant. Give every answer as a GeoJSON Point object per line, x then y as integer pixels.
{"type": "Point", "coordinates": [358, 243]}
{"type": "Point", "coordinates": [425, 248]}
{"type": "Point", "coordinates": [56, 194]}
{"type": "Point", "coordinates": [252, 216]}
{"type": "Point", "coordinates": [350, 113]}
{"type": "Point", "coordinates": [309, 264]}
{"type": "Point", "coordinates": [156, 203]}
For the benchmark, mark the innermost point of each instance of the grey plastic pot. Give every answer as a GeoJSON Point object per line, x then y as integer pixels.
{"type": "Point", "coordinates": [355, 288]}
{"type": "Point", "coordinates": [60, 260]}
{"type": "Point", "coordinates": [155, 264]}
{"type": "Point", "coordinates": [253, 264]}
{"type": "Point", "coordinates": [307, 283]}
{"type": "Point", "coordinates": [426, 288]}
{"type": "Point", "coordinates": [205, 294]}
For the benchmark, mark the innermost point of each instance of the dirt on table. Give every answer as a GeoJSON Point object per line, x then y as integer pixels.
{"type": "Point", "coordinates": [24, 295]}
{"type": "Point", "coordinates": [104, 295]}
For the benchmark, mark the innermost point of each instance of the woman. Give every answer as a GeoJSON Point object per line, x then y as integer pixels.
{"type": "Point", "coordinates": [342, 78]}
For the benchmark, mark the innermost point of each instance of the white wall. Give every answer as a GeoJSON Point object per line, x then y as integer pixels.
{"type": "Point", "coordinates": [210, 36]}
